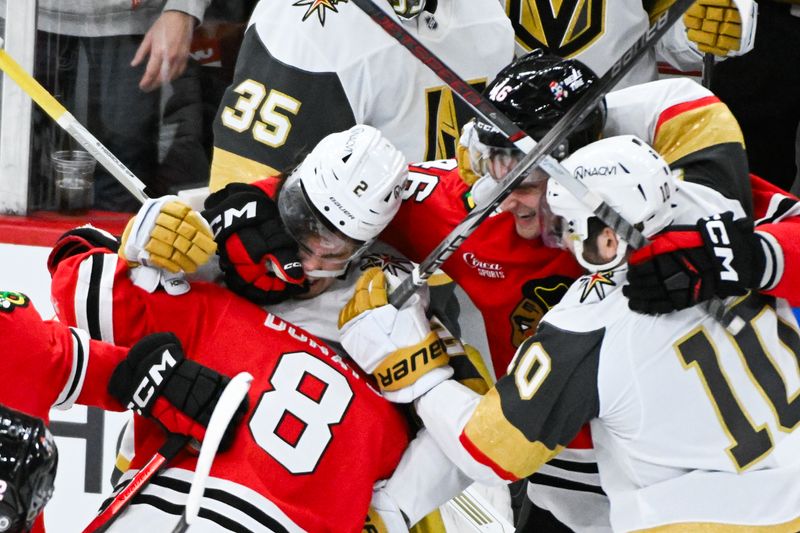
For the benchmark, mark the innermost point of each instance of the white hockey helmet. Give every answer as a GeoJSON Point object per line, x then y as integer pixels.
{"type": "Point", "coordinates": [630, 176]}
{"type": "Point", "coordinates": [349, 185]}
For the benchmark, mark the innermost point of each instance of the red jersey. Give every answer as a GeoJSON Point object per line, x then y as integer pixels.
{"type": "Point", "coordinates": [315, 439]}
{"type": "Point", "coordinates": [512, 281]}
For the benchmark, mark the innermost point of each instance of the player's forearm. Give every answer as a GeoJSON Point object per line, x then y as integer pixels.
{"type": "Point", "coordinates": [424, 479]}
{"type": "Point", "coordinates": [783, 266]}
{"type": "Point", "coordinates": [446, 424]}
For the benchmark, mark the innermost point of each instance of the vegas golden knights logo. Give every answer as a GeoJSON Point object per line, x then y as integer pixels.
{"type": "Point", "coordinates": [563, 27]}
{"type": "Point", "coordinates": [446, 113]}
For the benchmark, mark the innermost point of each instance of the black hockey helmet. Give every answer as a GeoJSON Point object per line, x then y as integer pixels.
{"type": "Point", "coordinates": [535, 91]}
{"type": "Point", "coordinates": [28, 460]}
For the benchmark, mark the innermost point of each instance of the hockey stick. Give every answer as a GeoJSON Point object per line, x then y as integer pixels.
{"type": "Point", "coordinates": [70, 124]}
{"type": "Point", "coordinates": [224, 411]}
{"type": "Point", "coordinates": [537, 154]}
{"type": "Point", "coordinates": [479, 514]}
{"type": "Point", "coordinates": [708, 69]}
{"type": "Point", "coordinates": [174, 444]}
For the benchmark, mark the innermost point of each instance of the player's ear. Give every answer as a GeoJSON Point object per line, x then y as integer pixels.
{"type": "Point", "coordinates": [607, 243]}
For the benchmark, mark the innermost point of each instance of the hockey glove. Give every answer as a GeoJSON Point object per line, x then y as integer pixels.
{"type": "Point", "coordinates": [722, 27]}
{"type": "Point", "coordinates": [157, 381]}
{"type": "Point", "coordinates": [396, 346]}
{"type": "Point", "coordinates": [168, 234]}
{"type": "Point", "coordinates": [687, 265]}
{"type": "Point", "coordinates": [258, 258]}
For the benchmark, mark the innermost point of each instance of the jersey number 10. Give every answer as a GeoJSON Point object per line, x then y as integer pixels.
{"type": "Point", "coordinates": [697, 350]}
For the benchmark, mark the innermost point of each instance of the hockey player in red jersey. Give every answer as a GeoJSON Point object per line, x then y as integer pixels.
{"type": "Point", "coordinates": [310, 418]}
{"type": "Point", "coordinates": [656, 389]}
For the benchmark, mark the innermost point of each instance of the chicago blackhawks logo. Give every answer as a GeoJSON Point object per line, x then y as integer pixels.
{"type": "Point", "coordinates": [11, 300]}
{"type": "Point", "coordinates": [538, 296]}
{"type": "Point", "coordinates": [319, 7]}
{"type": "Point", "coordinates": [564, 27]}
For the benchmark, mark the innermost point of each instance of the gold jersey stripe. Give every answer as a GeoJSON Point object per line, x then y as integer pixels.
{"type": "Point", "coordinates": [504, 445]}
{"type": "Point", "coordinates": [227, 167]}
{"type": "Point", "coordinates": [707, 527]}
{"type": "Point", "coordinates": [709, 125]}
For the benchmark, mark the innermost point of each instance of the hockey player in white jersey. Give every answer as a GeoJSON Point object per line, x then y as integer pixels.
{"type": "Point", "coordinates": [597, 33]}
{"type": "Point", "coordinates": [307, 69]}
{"type": "Point", "coordinates": [298, 245]}
{"type": "Point", "coordinates": [694, 427]}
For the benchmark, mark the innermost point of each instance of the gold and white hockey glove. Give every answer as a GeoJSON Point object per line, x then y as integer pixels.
{"type": "Point", "coordinates": [463, 159]}
{"type": "Point", "coordinates": [396, 346]}
{"type": "Point", "coordinates": [724, 28]}
{"type": "Point", "coordinates": [168, 234]}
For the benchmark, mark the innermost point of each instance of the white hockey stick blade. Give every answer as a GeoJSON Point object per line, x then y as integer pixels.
{"type": "Point", "coordinates": [479, 514]}
{"type": "Point", "coordinates": [228, 403]}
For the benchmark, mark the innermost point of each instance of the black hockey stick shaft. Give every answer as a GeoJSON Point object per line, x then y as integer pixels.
{"type": "Point", "coordinates": [537, 154]}
{"type": "Point", "coordinates": [173, 445]}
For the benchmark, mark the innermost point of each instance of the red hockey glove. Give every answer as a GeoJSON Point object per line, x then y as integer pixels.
{"type": "Point", "coordinates": [687, 265]}
{"type": "Point", "coordinates": [158, 382]}
{"type": "Point", "coordinates": [258, 258]}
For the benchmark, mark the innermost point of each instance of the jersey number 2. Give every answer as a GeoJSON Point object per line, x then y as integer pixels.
{"type": "Point", "coordinates": [292, 422]}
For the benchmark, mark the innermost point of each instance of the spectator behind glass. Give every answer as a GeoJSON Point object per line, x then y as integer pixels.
{"type": "Point", "coordinates": [108, 62]}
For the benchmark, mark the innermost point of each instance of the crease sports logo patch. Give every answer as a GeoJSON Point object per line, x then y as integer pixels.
{"type": "Point", "coordinates": [320, 7]}
{"type": "Point", "coordinates": [10, 300]}
{"type": "Point", "coordinates": [564, 27]}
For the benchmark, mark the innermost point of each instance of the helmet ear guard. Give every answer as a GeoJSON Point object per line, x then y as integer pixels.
{"type": "Point", "coordinates": [632, 179]}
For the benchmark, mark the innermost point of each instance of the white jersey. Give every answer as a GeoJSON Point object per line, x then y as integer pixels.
{"type": "Point", "coordinates": [597, 34]}
{"type": "Point", "coordinates": [307, 69]}
{"type": "Point", "coordinates": [692, 427]}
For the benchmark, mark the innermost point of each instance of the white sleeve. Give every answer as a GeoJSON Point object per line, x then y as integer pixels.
{"type": "Point", "coordinates": [424, 479]}
{"type": "Point", "coordinates": [674, 48]}
{"type": "Point", "coordinates": [445, 410]}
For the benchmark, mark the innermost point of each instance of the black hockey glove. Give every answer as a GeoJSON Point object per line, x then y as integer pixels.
{"type": "Point", "coordinates": [258, 258]}
{"type": "Point", "coordinates": [686, 265]}
{"type": "Point", "coordinates": [158, 382]}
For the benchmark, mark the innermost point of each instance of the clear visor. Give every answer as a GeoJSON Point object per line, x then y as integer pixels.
{"type": "Point", "coordinates": [554, 227]}
{"type": "Point", "coordinates": [497, 162]}
{"type": "Point", "coordinates": [324, 251]}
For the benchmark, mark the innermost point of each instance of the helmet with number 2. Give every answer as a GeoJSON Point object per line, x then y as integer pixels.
{"type": "Point", "coordinates": [345, 192]}
{"type": "Point", "coordinates": [632, 179]}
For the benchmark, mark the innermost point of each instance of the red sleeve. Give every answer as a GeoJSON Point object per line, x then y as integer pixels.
{"type": "Point", "coordinates": [48, 364]}
{"type": "Point", "coordinates": [777, 213]}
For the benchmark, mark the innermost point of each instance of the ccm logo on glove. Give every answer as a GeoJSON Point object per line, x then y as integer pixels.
{"type": "Point", "coordinates": [718, 236]}
{"type": "Point", "coordinates": [154, 377]}
{"type": "Point", "coordinates": [226, 218]}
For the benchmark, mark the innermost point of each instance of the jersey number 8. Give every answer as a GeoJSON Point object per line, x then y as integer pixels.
{"type": "Point", "coordinates": [292, 422]}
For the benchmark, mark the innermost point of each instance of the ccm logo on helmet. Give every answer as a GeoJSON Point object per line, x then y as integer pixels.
{"type": "Point", "coordinates": [719, 237]}
{"type": "Point", "coordinates": [153, 378]}
{"type": "Point", "coordinates": [227, 217]}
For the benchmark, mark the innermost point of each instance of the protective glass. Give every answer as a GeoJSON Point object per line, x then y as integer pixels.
{"type": "Point", "coordinates": [329, 250]}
